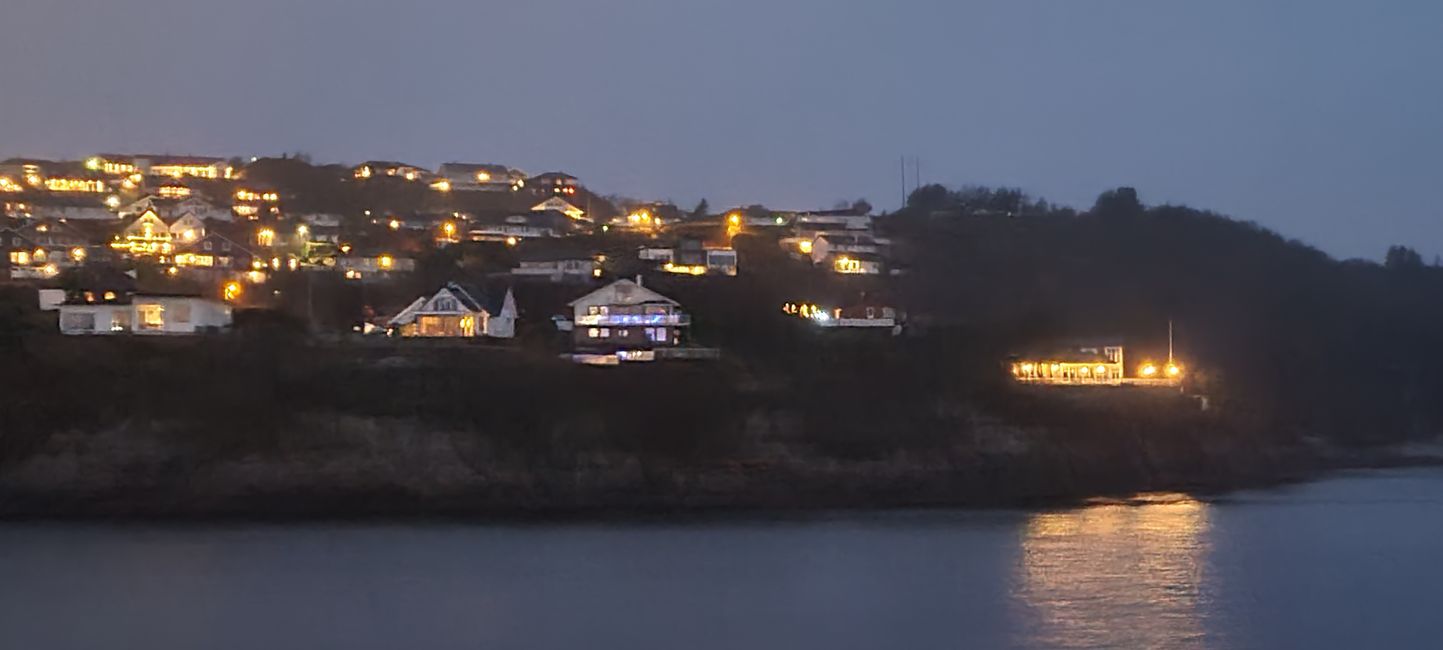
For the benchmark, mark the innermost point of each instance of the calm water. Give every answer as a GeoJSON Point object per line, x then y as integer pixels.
{"type": "Point", "coordinates": [1355, 562]}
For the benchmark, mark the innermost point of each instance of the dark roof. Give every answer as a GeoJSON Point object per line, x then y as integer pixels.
{"type": "Point", "coordinates": [488, 295]}
{"type": "Point", "coordinates": [553, 176]}
{"type": "Point", "coordinates": [840, 212]}
{"type": "Point", "coordinates": [1073, 351]}
{"type": "Point", "coordinates": [167, 159]}
{"type": "Point", "coordinates": [476, 167]}
{"type": "Point", "coordinates": [386, 163]}
{"type": "Point", "coordinates": [550, 250]}
{"type": "Point", "coordinates": [848, 239]}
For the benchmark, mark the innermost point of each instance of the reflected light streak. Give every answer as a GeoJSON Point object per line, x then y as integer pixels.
{"type": "Point", "coordinates": [1116, 575]}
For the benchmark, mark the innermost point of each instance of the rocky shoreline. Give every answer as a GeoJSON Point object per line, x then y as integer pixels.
{"type": "Point", "coordinates": [400, 469]}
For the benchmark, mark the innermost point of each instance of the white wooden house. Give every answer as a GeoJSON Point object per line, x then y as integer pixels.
{"type": "Point", "coordinates": [187, 228]}
{"type": "Point", "coordinates": [144, 314]}
{"type": "Point", "coordinates": [459, 311]}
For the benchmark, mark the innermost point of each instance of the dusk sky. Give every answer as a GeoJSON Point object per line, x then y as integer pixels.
{"type": "Point", "coordinates": [1321, 119]}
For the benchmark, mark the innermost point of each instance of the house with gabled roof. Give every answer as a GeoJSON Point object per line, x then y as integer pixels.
{"type": "Point", "coordinates": [553, 183]}
{"type": "Point", "coordinates": [391, 168]}
{"type": "Point", "coordinates": [558, 204]}
{"type": "Point", "coordinates": [625, 315]}
{"type": "Point", "coordinates": [216, 251]}
{"type": "Point", "coordinates": [187, 228]}
{"type": "Point", "coordinates": [459, 310]}
{"type": "Point", "coordinates": [480, 176]}
{"type": "Point", "coordinates": [148, 234]}
{"type": "Point", "coordinates": [557, 261]}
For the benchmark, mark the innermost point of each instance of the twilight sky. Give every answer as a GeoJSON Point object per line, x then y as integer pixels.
{"type": "Point", "coordinates": [1321, 119]}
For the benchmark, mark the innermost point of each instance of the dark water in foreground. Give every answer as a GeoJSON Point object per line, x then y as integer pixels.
{"type": "Point", "coordinates": [1353, 562]}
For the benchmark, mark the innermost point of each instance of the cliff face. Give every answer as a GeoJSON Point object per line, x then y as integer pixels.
{"type": "Point", "coordinates": [236, 427]}
{"type": "Point", "coordinates": [339, 465]}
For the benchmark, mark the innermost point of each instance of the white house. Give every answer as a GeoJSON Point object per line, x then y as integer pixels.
{"type": "Point", "coordinates": [146, 314]}
{"type": "Point", "coordinates": [187, 228]}
{"type": "Point", "coordinates": [459, 311]}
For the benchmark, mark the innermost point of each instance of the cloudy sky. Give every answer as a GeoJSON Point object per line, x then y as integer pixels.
{"type": "Point", "coordinates": [1321, 119]}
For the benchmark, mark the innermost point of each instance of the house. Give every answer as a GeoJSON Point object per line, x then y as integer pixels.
{"type": "Point", "coordinates": [558, 204]}
{"type": "Point", "coordinates": [556, 263]}
{"type": "Point", "coordinates": [187, 228]}
{"type": "Point", "coordinates": [625, 315]}
{"type": "Point", "coordinates": [856, 263]}
{"type": "Point", "coordinates": [77, 181]}
{"type": "Point", "coordinates": [553, 183]}
{"type": "Point", "coordinates": [1093, 362]}
{"type": "Point", "coordinates": [692, 257]}
{"type": "Point", "coordinates": [112, 312]}
{"type": "Point", "coordinates": [459, 311]}
{"type": "Point", "coordinates": [182, 166]}
{"type": "Point", "coordinates": [83, 211]}
{"type": "Point", "coordinates": [829, 246]}
{"type": "Point", "coordinates": [173, 189]}
{"type": "Point", "coordinates": [147, 235]}
{"type": "Point", "coordinates": [113, 164]}
{"type": "Point", "coordinates": [25, 171]}
{"type": "Point", "coordinates": [26, 259]}
{"type": "Point", "coordinates": [639, 220]}
{"type": "Point", "coordinates": [170, 207]}
{"type": "Point", "coordinates": [374, 265]}
{"type": "Point", "coordinates": [464, 177]}
{"type": "Point", "coordinates": [517, 227]}
{"type": "Point", "coordinates": [388, 168]}
{"type": "Point", "coordinates": [861, 316]}
{"type": "Point", "coordinates": [321, 220]}
{"type": "Point", "coordinates": [41, 249]}
{"type": "Point", "coordinates": [846, 219]}
{"type": "Point", "coordinates": [217, 252]}
{"type": "Point", "coordinates": [201, 208]}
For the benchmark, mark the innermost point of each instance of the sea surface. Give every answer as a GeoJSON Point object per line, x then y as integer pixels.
{"type": "Point", "coordinates": [1355, 561]}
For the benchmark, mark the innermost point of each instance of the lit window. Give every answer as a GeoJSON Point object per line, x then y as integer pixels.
{"type": "Point", "coordinates": [593, 332]}
{"type": "Point", "coordinates": [152, 317]}
{"type": "Point", "coordinates": [606, 332]}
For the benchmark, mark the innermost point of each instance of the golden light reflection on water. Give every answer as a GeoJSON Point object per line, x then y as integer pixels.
{"type": "Point", "coordinates": [1118, 575]}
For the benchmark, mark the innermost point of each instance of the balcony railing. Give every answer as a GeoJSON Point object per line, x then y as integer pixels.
{"type": "Point", "coordinates": [622, 320]}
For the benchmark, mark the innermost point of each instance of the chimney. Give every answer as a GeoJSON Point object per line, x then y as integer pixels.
{"type": "Point", "coordinates": [638, 281]}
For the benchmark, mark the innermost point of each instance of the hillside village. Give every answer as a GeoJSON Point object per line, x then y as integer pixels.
{"type": "Point", "coordinates": [162, 244]}
{"type": "Point", "coordinates": [287, 309]}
